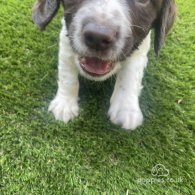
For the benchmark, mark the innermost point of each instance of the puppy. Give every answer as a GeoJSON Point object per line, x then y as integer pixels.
{"type": "Point", "coordinates": [100, 38]}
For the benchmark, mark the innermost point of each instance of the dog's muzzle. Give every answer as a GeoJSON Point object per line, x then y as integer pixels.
{"type": "Point", "coordinates": [98, 39]}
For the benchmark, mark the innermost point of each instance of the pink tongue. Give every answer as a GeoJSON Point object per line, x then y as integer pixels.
{"type": "Point", "coordinates": [95, 65]}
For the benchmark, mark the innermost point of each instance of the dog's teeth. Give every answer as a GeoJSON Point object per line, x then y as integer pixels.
{"type": "Point", "coordinates": [82, 65]}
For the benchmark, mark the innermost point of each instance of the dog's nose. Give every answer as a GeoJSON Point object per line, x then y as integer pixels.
{"type": "Point", "coordinates": [99, 37]}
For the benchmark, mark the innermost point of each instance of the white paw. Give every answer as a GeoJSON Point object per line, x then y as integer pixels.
{"type": "Point", "coordinates": [126, 116]}
{"type": "Point", "coordinates": [63, 109]}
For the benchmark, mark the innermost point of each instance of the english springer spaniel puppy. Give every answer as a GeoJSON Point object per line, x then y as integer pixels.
{"type": "Point", "coordinates": [100, 38]}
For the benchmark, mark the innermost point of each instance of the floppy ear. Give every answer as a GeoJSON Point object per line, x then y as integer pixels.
{"type": "Point", "coordinates": [43, 12]}
{"type": "Point", "coordinates": [164, 23]}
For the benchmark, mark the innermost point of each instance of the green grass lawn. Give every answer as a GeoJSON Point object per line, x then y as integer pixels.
{"type": "Point", "coordinates": [90, 155]}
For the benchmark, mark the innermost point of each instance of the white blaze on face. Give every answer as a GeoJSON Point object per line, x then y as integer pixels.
{"type": "Point", "coordinates": [111, 12]}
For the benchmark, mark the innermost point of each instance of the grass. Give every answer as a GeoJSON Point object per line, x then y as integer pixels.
{"type": "Point", "coordinates": [90, 155]}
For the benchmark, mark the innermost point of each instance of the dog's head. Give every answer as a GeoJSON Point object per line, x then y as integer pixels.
{"type": "Point", "coordinates": [103, 32]}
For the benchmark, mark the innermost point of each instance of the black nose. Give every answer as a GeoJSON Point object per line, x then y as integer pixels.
{"type": "Point", "coordinates": [99, 37]}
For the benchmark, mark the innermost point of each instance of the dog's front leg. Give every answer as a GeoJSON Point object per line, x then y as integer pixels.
{"type": "Point", "coordinates": [65, 104]}
{"type": "Point", "coordinates": [124, 104]}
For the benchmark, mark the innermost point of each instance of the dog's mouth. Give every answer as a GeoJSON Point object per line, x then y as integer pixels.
{"type": "Point", "coordinates": [95, 66]}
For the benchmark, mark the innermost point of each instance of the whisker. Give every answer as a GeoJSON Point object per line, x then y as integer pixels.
{"type": "Point", "coordinates": [144, 29]}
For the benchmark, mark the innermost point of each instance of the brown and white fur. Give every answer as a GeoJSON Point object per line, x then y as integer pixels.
{"type": "Point", "coordinates": [100, 38]}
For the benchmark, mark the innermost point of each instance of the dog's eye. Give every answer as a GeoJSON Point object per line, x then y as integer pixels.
{"type": "Point", "coordinates": [142, 1]}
